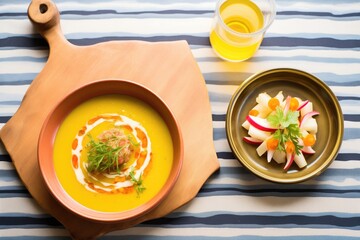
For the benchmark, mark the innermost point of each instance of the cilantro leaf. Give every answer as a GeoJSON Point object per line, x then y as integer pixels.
{"type": "Point", "coordinates": [276, 119]}
{"type": "Point", "coordinates": [290, 118]}
{"type": "Point", "coordinates": [288, 128]}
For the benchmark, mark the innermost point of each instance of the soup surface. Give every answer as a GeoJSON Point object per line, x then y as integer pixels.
{"type": "Point", "coordinates": [141, 168]}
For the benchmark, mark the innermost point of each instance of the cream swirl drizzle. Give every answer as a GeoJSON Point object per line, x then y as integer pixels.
{"type": "Point", "coordinates": [115, 181]}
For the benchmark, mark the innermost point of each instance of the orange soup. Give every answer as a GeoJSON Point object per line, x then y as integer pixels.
{"type": "Point", "coordinates": [113, 153]}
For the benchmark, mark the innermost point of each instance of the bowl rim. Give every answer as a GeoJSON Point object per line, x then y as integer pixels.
{"type": "Point", "coordinates": [54, 186]}
{"type": "Point", "coordinates": [247, 82]}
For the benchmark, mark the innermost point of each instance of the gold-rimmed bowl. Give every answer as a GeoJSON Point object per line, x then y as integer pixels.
{"type": "Point", "coordinates": [297, 84]}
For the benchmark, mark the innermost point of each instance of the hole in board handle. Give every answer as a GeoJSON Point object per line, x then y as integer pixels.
{"type": "Point", "coordinates": [43, 8]}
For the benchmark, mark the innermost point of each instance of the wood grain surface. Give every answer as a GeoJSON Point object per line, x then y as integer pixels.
{"type": "Point", "coordinates": [167, 68]}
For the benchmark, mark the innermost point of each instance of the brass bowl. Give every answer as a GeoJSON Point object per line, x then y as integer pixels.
{"type": "Point", "coordinates": [72, 100]}
{"type": "Point", "coordinates": [298, 84]}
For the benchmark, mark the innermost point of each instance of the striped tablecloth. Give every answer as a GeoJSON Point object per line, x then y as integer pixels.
{"type": "Point", "coordinates": [321, 37]}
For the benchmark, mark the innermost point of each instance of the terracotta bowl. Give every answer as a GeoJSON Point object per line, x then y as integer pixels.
{"type": "Point", "coordinates": [65, 106]}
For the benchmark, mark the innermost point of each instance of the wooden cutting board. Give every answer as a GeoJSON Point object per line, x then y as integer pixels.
{"type": "Point", "coordinates": [167, 68]}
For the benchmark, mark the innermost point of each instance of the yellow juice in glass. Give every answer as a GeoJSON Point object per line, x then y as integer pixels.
{"type": "Point", "coordinates": [236, 33]}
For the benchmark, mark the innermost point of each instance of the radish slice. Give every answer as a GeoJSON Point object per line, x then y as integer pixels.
{"type": "Point", "coordinates": [300, 160]}
{"type": "Point", "coordinates": [306, 117]}
{"type": "Point", "coordinates": [287, 105]}
{"type": "Point", "coordinates": [260, 123]}
{"type": "Point", "coordinates": [252, 140]}
{"type": "Point", "coordinates": [289, 160]}
{"type": "Point", "coordinates": [306, 109]}
{"type": "Point", "coordinates": [310, 126]}
{"type": "Point", "coordinates": [258, 134]}
{"type": "Point", "coordinates": [303, 104]}
{"type": "Point", "coordinates": [270, 154]}
{"type": "Point", "coordinates": [308, 150]}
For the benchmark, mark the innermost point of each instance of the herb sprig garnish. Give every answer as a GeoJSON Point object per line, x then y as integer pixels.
{"type": "Point", "coordinates": [102, 157]}
{"type": "Point", "coordinates": [287, 128]}
{"type": "Point", "coordinates": [138, 183]}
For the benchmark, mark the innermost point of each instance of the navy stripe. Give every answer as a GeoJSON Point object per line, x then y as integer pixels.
{"type": "Point", "coordinates": [348, 97]}
{"type": "Point", "coordinates": [4, 119]}
{"type": "Point", "coordinates": [321, 42]}
{"type": "Point", "coordinates": [238, 220]}
{"type": "Point", "coordinates": [195, 12]}
{"type": "Point", "coordinates": [318, 14]}
{"type": "Point", "coordinates": [5, 158]}
{"type": "Point", "coordinates": [193, 40]}
{"type": "Point", "coordinates": [14, 191]}
{"type": "Point", "coordinates": [14, 221]}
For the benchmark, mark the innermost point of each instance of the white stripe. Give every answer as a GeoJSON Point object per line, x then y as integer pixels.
{"type": "Point", "coordinates": [346, 91]}
{"type": "Point", "coordinates": [21, 67]}
{"type": "Point", "coordinates": [24, 53]}
{"type": "Point", "coordinates": [195, 25]}
{"type": "Point", "coordinates": [350, 109]}
{"type": "Point", "coordinates": [8, 110]}
{"type": "Point", "coordinates": [350, 146]}
{"type": "Point", "coordinates": [120, 6]}
{"type": "Point", "coordinates": [348, 124]}
{"type": "Point", "coordinates": [235, 232]}
{"type": "Point", "coordinates": [6, 166]}
{"type": "Point", "coordinates": [34, 232]}
{"type": "Point", "coordinates": [252, 67]}
{"type": "Point", "coordinates": [320, 7]}
{"type": "Point", "coordinates": [210, 5]}
{"type": "Point", "coordinates": [219, 107]}
{"type": "Point", "coordinates": [286, 204]}
{"type": "Point", "coordinates": [15, 183]}
{"type": "Point", "coordinates": [237, 181]}
{"type": "Point", "coordinates": [332, 54]}
{"type": "Point", "coordinates": [218, 124]}
{"type": "Point", "coordinates": [19, 205]}
{"type": "Point", "coordinates": [318, 26]}
{"type": "Point", "coordinates": [13, 90]}
{"type": "Point", "coordinates": [134, 6]}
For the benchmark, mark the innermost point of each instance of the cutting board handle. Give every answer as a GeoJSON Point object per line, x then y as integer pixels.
{"type": "Point", "coordinates": [46, 18]}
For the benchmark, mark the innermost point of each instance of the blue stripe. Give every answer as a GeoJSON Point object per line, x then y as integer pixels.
{"type": "Point", "coordinates": [109, 13]}
{"type": "Point", "coordinates": [288, 192]}
{"type": "Point", "coordinates": [194, 40]}
{"type": "Point", "coordinates": [17, 78]}
{"type": "Point", "coordinates": [24, 58]}
{"type": "Point", "coordinates": [222, 220]}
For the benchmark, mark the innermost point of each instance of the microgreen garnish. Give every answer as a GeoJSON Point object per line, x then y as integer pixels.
{"type": "Point", "coordinates": [288, 128]}
{"type": "Point", "coordinates": [101, 156]}
{"type": "Point", "coordinates": [138, 183]}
